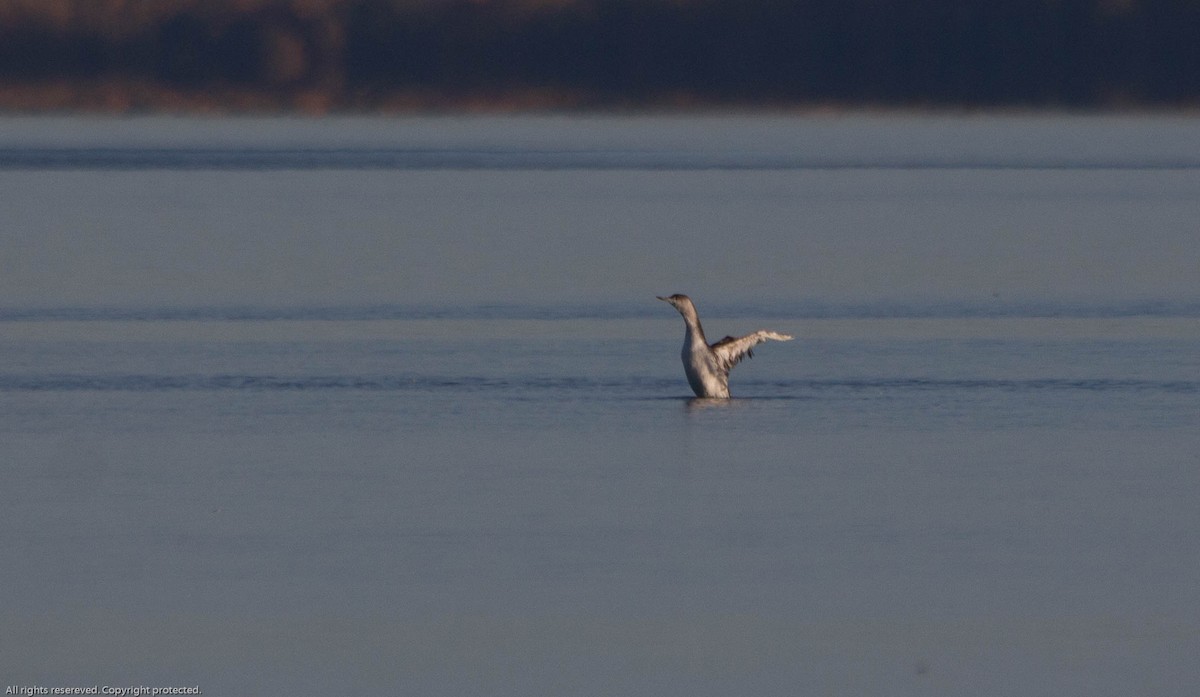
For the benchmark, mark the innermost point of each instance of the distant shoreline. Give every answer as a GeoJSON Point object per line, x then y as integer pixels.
{"type": "Point", "coordinates": [121, 98]}
{"type": "Point", "coordinates": [405, 56]}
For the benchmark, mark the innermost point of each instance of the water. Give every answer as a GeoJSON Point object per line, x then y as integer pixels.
{"type": "Point", "coordinates": [538, 211]}
{"type": "Point", "coordinates": [362, 427]}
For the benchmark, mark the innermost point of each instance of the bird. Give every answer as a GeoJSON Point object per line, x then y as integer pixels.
{"type": "Point", "coordinates": [707, 365]}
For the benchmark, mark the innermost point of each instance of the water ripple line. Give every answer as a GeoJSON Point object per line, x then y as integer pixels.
{"type": "Point", "coordinates": [399, 383]}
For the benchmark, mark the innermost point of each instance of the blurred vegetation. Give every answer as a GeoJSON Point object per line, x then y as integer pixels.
{"type": "Point", "coordinates": [319, 55]}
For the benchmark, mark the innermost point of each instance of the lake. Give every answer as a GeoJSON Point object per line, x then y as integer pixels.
{"type": "Point", "coordinates": [388, 405]}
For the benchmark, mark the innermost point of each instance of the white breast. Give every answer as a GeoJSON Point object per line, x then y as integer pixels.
{"type": "Point", "coordinates": [703, 374]}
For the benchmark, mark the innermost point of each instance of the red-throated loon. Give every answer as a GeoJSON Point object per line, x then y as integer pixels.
{"type": "Point", "coordinates": [708, 367]}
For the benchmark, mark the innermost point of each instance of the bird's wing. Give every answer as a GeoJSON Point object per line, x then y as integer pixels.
{"type": "Point", "coordinates": [730, 350]}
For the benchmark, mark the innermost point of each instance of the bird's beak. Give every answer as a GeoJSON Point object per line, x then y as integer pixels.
{"type": "Point", "coordinates": [666, 300]}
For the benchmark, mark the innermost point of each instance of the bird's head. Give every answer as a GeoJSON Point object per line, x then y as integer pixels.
{"type": "Point", "coordinates": [680, 302]}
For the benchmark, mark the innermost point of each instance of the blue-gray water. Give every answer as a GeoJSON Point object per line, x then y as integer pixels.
{"type": "Point", "coordinates": [346, 423]}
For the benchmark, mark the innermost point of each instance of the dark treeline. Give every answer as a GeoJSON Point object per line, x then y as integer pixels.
{"type": "Point", "coordinates": [347, 54]}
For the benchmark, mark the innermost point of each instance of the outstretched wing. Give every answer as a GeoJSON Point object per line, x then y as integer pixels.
{"type": "Point", "coordinates": [730, 351]}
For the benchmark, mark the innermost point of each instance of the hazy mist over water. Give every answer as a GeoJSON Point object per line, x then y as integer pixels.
{"type": "Point", "coordinates": [388, 406]}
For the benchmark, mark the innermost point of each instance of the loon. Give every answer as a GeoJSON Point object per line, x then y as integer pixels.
{"type": "Point", "coordinates": [707, 366]}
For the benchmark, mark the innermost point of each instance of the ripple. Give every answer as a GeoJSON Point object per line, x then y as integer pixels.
{"type": "Point", "coordinates": [399, 383]}
{"type": "Point", "coordinates": [596, 158]}
{"type": "Point", "coordinates": [602, 311]}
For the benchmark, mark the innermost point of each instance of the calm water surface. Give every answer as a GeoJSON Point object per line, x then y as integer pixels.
{"type": "Point", "coordinates": [357, 424]}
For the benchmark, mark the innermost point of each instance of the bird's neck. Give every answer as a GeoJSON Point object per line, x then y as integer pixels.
{"type": "Point", "coordinates": [695, 333]}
